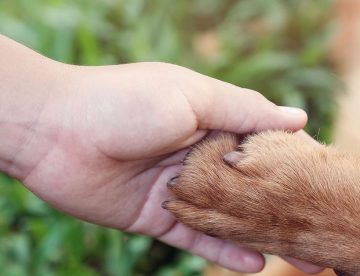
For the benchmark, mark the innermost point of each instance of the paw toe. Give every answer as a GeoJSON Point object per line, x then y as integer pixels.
{"type": "Point", "coordinates": [204, 171]}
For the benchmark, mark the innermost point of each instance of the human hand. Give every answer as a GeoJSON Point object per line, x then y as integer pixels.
{"type": "Point", "coordinates": [104, 141]}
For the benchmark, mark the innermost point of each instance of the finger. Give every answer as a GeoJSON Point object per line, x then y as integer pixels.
{"type": "Point", "coordinates": [304, 266]}
{"type": "Point", "coordinates": [224, 106]}
{"type": "Point", "coordinates": [215, 250]}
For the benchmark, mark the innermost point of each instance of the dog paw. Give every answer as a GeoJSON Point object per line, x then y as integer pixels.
{"type": "Point", "coordinates": [275, 193]}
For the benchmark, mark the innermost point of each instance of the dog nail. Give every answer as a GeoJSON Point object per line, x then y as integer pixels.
{"type": "Point", "coordinates": [186, 156]}
{"type": "Point", "coordinates": [340, 273]}
{"type": "Point", "coordinates": [172, 182]}
{"type": "Point", "coordinates": [232, 158]}
{"type": "Point", "coordinates": [164, 204]}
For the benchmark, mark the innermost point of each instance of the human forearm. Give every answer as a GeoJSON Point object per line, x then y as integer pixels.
{"type": "Point", "coordinates": [27, 83]}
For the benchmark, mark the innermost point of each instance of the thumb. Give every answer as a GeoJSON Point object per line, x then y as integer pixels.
{"type": "Point", "coordinates": [223, 106]}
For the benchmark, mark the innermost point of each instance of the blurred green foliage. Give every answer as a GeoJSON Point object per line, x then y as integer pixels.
{"type": "Point", "coordinates": [278, 47]}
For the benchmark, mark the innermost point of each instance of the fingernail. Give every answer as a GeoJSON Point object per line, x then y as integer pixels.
{"type": "Point", "coordinates": [164, 204]}
{"type": "Point", "coordinates": [251, 264]}
{"type": "Point", "coordinates": [232, 158]}
{"type": "Point", "coordinates": [172, 182]}
{"type": "Point", "coordinates": [292, 111]}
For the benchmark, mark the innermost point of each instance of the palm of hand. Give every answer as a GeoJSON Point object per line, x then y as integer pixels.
{"type": "Point", "coordinates": [87, 182]}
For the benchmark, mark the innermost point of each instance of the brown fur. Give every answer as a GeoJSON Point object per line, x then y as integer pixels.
{"type": "Point", "coordinates": [283, 196]}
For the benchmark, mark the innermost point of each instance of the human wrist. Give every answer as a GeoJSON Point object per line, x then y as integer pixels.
{"type": "Point", "coordinates": [27, 83]}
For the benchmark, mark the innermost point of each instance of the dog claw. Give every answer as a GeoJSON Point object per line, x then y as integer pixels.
{"type": "Point", "coordinates": [164, 204]}
{"type": "Point", "coordinates": [232, 158]}
{"type": "Point", "coordinates": [172, 182]}
{"type": "Point", "coordinates": [341, 273]}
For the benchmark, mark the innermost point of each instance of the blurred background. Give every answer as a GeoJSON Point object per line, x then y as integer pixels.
{"type": "Point", "coordinates": [278, 47]}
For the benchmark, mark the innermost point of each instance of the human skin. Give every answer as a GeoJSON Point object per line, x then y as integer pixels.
{"type": "Point", "coordinates": [100, 143]}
